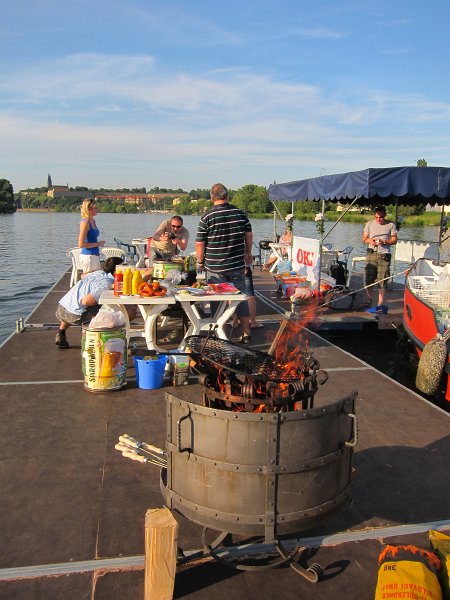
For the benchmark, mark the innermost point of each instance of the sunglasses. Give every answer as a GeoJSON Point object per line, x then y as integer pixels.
{"type": "Point", "coordinates": [176, 226]}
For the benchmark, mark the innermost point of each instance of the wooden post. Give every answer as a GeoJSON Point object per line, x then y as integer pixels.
{"type": "Point", "coordinates": [161, 536]}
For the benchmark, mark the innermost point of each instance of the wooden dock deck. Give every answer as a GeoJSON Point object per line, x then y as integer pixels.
{"type": "Point", "coordinates": [73, 508]}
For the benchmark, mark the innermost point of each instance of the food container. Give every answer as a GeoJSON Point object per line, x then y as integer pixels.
{"type": "Point", "coordinates": [162, 267]}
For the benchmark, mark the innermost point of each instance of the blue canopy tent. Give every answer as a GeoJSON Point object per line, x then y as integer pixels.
{"type": "Point", "coordinates": [397, 185]}
{"type": "Point", "coordinates": [407, 186]}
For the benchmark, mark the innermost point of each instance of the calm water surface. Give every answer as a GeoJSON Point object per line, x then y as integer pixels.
{"type": "Point", "coordinates": [33, 247]}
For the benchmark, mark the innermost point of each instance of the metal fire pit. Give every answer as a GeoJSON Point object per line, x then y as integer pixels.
{"type": "Point", "coordinates": [238, 359]}
{"type": "Point", "coordinates": [240, 378]}
{"type": "Point", "coordinates": [259, 474]}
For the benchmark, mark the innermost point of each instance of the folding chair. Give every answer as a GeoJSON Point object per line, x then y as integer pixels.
{"type": "Point", "coordinates": [129, 249]}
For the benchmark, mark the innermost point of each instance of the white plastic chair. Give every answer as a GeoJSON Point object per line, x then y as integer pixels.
{"type": "Point", "coordinates": [77, 268]}
{"type": "Point", "coordinates": [111, 251]}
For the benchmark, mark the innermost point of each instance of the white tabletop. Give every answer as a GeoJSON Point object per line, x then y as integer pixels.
{"type": "Point", "coordinates": [108, 297]}
{"type": "Point", "coordinates": [151, 307]}
{"type": "Point", "coordinates": [141, 248]}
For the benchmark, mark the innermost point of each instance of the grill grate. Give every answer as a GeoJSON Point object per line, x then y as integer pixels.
{"type": "Point", "coordinates": [237, 359]}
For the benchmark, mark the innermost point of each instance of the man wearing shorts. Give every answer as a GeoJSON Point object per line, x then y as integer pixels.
{"type": "Point", "coordinates": [379, 234]}
{"type": "Point", "coordinates": [224, 246]}
{"type": "Point", "coordinates": [80, 303]}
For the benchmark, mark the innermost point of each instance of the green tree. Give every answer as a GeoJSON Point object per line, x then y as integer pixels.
{"type": "Point", "coordinates": [7, 203]}
{"type": "Point", "coordinates": [422, 162]}
{"type": "Point", "coordinates": [252, 198]}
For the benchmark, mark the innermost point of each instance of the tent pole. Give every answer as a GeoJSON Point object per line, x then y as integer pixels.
{"type": "Point", "coordinates": [441, 231]}
{"type": "Point", "coordinates": [321, 246]}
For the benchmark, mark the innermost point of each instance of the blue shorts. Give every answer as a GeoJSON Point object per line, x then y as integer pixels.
{"type": "Point", "coordinates": [249, 289]}
{"type": "Point", "coordinates": [237, 278]}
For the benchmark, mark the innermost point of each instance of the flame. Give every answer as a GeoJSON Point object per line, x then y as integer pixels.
{"type": "Point", "coordinates": [292, 346]}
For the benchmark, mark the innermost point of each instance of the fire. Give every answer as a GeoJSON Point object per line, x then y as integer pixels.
{"type": "Point", "coordinates": [290, 345]}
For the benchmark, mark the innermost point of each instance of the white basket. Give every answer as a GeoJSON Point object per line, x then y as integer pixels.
{"type": "Point", "coordinates": [421, 282]}
{"type": "Point", "coordinates": [440, 298]}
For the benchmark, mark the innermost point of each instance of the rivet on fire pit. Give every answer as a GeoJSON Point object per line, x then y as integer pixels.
{"type": "Point", "coordinates": [213, 414]}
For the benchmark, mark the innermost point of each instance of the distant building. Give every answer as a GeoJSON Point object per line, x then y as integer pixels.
{"type": "Point", "coordinates": [63, 191]}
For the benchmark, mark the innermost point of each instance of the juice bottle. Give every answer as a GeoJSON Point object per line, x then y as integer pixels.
{"type": "Point", "coordinates": [118, 283]}
{"type": "Point", "coordinates": [136, 282]}
{"type": "Point", "coordinates": [127, 282]}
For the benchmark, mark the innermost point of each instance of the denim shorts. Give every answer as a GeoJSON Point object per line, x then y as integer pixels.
{"type": "Point", "coordinates": [237, 278]}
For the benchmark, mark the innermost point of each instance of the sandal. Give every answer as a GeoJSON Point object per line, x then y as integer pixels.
{"type": "Point", "coordinates": [257, 326]}
{"type": "Point", "coordinates": [381, 309]}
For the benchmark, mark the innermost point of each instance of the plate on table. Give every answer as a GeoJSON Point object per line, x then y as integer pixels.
{"type": "Point", "coordinates": [190, 290]}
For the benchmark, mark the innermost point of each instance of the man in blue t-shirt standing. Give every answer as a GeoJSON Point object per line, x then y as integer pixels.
{"type": "Point", "coordinates": [224, 246]}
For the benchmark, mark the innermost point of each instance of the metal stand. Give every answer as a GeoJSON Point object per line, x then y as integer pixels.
{"type": "Point", "coordinates": [216, 550]}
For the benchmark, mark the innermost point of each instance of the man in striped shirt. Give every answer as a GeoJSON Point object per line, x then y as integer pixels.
{"type": "Point", "coordinates": [224, 246]}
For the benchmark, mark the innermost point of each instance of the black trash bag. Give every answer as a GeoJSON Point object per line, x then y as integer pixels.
{"type": "Point", "coordinates": [337, 271]}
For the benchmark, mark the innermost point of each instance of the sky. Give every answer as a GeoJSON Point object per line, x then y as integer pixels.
{"type": "Point", "coordinates": [183, 94]}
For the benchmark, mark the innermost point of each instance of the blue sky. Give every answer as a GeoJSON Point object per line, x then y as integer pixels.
{"type": "Point", "coordinates": [178, 93]}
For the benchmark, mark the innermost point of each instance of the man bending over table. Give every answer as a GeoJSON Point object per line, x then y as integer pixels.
{"type": "Point", "coordinates": [80, 303]}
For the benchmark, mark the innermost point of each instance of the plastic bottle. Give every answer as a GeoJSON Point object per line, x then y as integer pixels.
{"type": "Point", "coordinates": [136, 282]}
{"type": "Point", "coordinates": [127, 282]}
{"type": "Point", "coordinates": [118, 283]}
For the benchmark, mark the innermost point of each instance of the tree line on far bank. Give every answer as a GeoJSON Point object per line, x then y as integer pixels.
{"type": "Point", "coordinates": [254, 199]}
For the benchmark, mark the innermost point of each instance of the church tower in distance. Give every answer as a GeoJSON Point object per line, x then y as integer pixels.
{"type": "Point", "coordinates": [49, 181]}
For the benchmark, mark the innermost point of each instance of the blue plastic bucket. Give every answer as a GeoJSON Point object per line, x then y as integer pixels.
{"type": "Point", "coordinates": [150, 373]}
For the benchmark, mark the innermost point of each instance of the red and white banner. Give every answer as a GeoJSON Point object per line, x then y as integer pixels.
{"type": "Point", "coordinates": [305, 258]}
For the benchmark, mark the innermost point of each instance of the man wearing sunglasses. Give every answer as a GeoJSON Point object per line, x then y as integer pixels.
{"type": "Point", "coordinates": [168, 240]}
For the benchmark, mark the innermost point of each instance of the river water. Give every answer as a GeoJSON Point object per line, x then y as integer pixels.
{"type": "Point", "coordinates": [33, 249]}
